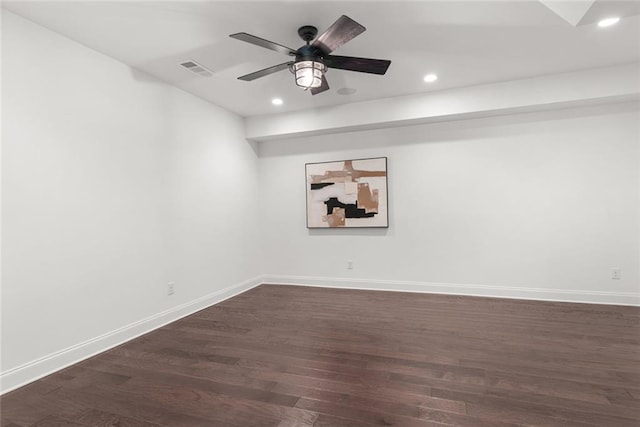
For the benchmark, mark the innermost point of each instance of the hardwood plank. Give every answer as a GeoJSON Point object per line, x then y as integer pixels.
{"type": "Point", "coordinates": [134, 405]}
{"type": "Point", "coordinates": [374, 398]}
{"type": "Point", "coordinates": [97, 418]}
{"type": "Point", "coordinates": [56, 422]}
{"type": "Point", "coordinates": [324, 420]}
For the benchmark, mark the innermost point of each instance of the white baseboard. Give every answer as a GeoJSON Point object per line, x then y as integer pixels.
{"type": "Point", "coordinates": [541, 294]}
{"type": "Point", "coordinates": [36, 369]}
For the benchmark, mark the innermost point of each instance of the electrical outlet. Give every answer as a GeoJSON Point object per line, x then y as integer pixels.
{"type": "Point", "coordinates": [171, 288]}
{"type": "Point", "coordinates": [615, 274]}
{"type": "Point", "coordinates": [349, 265]}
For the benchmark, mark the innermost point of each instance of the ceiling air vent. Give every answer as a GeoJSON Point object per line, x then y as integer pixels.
{"type": "Point", "coordinates": [196, 68]}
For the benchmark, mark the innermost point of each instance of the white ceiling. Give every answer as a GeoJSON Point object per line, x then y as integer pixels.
{"type": "Point", "coordinates": [464, 42]}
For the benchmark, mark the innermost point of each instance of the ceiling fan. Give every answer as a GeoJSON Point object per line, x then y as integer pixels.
{"type": "Point", "coordinates": [313, 59]}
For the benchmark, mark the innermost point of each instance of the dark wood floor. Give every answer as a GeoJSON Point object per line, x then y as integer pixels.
{"type": "Point", "coordinates": [297, 356]}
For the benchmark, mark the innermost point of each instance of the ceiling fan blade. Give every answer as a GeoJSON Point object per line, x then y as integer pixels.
{"type": "Point", "coordinates": [263, 43]}
{"type": "Point", "coordinates": [362, 65]}
{"type": "Point", "coordinates": [340, 32]}
{"type": "Point", "coordinates": [265, 72]}
{"type": "Point", "coordinates": [324, 86]}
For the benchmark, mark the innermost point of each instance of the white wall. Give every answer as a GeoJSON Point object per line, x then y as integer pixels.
{"type": "Point", "coordinates": [538, 205]}
{"type": "Point", "coordinates": [113, 184]}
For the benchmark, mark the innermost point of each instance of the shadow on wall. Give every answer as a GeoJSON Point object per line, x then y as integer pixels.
{"type": "Point", "coordinates": [431, 132]}
{"type": "Point", "coordinates": [374, 232]}
{"type": "Point", "coordinates": [144, 77]}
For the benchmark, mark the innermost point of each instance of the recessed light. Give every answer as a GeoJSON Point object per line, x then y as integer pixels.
{"type": "Point", "coordinates": [608, 21]}
{"type": "Point", "coordinates": [430, 78]}
{"type": "Point", "coordinates": [276, 101]}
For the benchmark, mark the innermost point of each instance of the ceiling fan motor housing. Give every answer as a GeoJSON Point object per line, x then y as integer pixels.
{"type": "Point", "coordinates": [309, 53]}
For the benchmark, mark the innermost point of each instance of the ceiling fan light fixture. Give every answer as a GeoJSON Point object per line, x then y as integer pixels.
{"type": "Point", "coordinates": [308, 73]}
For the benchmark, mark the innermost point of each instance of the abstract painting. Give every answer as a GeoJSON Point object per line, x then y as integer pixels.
{"type": "Point", "coordinates": [347, 193]}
